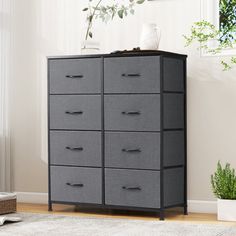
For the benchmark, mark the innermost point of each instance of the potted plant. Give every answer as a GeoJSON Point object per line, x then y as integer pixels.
{"type": "Point", "coordinates": [105, 12]}
{"type": "Point", "coordinates": [223, 183]}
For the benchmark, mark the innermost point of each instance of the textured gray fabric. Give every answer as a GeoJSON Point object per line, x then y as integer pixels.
{"type": "Point", "coordinates": [173, 186]}
{"type": "Point", "coordinates": [90, 178]}
{"type": "Point", "coordinates": [55, 225]}
{"type": "Point", "coordinates": [173, 70]}
{"type": "Point", "coordinates": [89, 68]}
{"type": "Point", "coordinates": [117, 181]}
{"type": "Point", "coordinates": [173, 115]}
{"type": "Point", "coordinates": [148, 145]}
{"type": "Point", "coordinates": [174, 148]}
{"type": "Point", "coordinates": [147, 68]}
{"type": "Point", "coordinates": [147, 105]}
{"type": "Point", "coordinates": [90, 142]}
{"type": "Point", "coordinates": [90, 105]}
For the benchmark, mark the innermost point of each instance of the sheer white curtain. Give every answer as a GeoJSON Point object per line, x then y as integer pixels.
{"type": "Point", "coordinates": [5, 39]}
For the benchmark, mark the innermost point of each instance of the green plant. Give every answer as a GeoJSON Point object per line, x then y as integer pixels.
{"type": "Point", "coordinates": [107, 12]}
{"type": "Point", "coordinates": [223, 182]}
{"type": "Point", "coordinates": [225, 37]}
{"type": "Point", "coordinates": [228, 19]}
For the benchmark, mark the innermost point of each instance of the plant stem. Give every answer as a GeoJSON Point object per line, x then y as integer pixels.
{"type": "Point", "coordinates": [91, 19]}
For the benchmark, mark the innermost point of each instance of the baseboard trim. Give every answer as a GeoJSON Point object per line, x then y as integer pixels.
{"type": "Point", "coordinates": [194, 206]}
{"type": "Point", "coordinates": [32, 197]}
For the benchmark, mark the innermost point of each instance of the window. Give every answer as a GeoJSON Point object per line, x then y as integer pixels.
{"type": "Point", "coordinates": [221, 13]}
{"type": "Point", "coordinates": [227, 18]}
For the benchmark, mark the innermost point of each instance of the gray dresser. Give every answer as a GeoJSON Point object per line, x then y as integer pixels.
{"type": "Point", "coordinates": [117, 131]}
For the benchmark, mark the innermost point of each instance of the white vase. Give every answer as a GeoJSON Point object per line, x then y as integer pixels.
{"type": "Point", "coordinates": [150, 37]}
{"type": "Point", "coordinates": [226, 210]}
{"type": "Point", "coordinates": [90, 47]}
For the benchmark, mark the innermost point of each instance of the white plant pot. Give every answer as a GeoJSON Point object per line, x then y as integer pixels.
{"type": "Point", "coordinates": [226, 210]}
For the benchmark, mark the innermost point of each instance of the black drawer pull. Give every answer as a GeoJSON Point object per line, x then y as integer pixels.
{"type": "Point", "coordinates": [131, 112]}
{"type": "Point", "coordinates": [75, 148]}
{"type": "Point", "coordinates": [74, 76]}
{"type": "Point", "coordinates": [131, 75]}
{"type": "Point", "coordinates": [74, 112]}
{"type": "Point", "coordinates": [132, 188]}
{"type": "Point", "coordinates": [75, 185]}
{"type": "Point", "coordinates": [135, 150]}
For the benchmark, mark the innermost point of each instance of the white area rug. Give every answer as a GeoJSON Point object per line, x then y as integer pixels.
{"type": "Point", "coordinates": [39, 224]}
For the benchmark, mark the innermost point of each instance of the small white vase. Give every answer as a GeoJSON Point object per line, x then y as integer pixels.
{"type": "Point", "coordinates": [90, 47]}
{"type": "Point", "coordinates": [150, 37]}
{"type": "Point", "coordinates": [226, 210]}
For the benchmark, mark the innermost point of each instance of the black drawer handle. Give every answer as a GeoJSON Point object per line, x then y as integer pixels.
{"type": "Point", "coordinates": [131, 113]}
{"type": "Point", "coordinates": [135, 150]}
{"type": "Point", "coordinates": [135, 188]}
{"type": "Point", "coordinates": [74, 112]}
{"type": "Point", "coordinates": [75, 185]}
{"type": "Point", "coordinates": [130, 75]}
{"type": "Point", "coordinates": [74, 148]}
{"type": "Point", "coordinates": [74, 76]}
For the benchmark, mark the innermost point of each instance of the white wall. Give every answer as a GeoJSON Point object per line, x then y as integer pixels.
{"type": "Point", "coordinates": [43, 28]}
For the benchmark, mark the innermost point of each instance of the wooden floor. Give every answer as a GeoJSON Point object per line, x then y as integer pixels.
{"type": "Point", "coordinates": [171, 215]}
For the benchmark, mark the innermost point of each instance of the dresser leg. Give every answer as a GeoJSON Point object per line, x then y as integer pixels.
{"type": "Point", "coordinates": [49, 206]}
{"type": "Point", "coordinates": [110, 211]}
{"type": "Point", "coordinates": [185, 210]}
{"type": "Point", "coordinates": [162, 215]}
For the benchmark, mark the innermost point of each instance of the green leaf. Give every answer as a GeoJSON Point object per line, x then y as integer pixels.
{"type": "Point", "coordinates": [140, 1]}
{"type": "Point", "coordinates": [121, 13]}
{"type": "Point", "coordinates": [85, 9]}
{"type": "Point", "coordinates": [90, 34]}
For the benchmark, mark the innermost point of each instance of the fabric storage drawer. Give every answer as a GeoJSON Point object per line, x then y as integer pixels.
{"type": "Point", "coordinates": [75, 76]}
{"type": "Point", "coordinates": [76, 184]}
{"type": "Point", "coordinates": [132, 112]}
{"type": "Point", "coordinates": [173, 148]}
{"type": "Point", "coordinates": [132, 150]}
{"type": "Point", "coordinates": [132, 74]}
{"type": "Point", "coordinates": [173, 186]}
{"type": "Point", "coordinates": [174, 74]}
{"type": "Point", "coordinates": [78, 148]}
{"type": "Point", "coordinates": [173, 111]}
{"type": "Point", "coordinates": [137, 188]}
{"type": "Point", "coordinates": [78, 112]}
